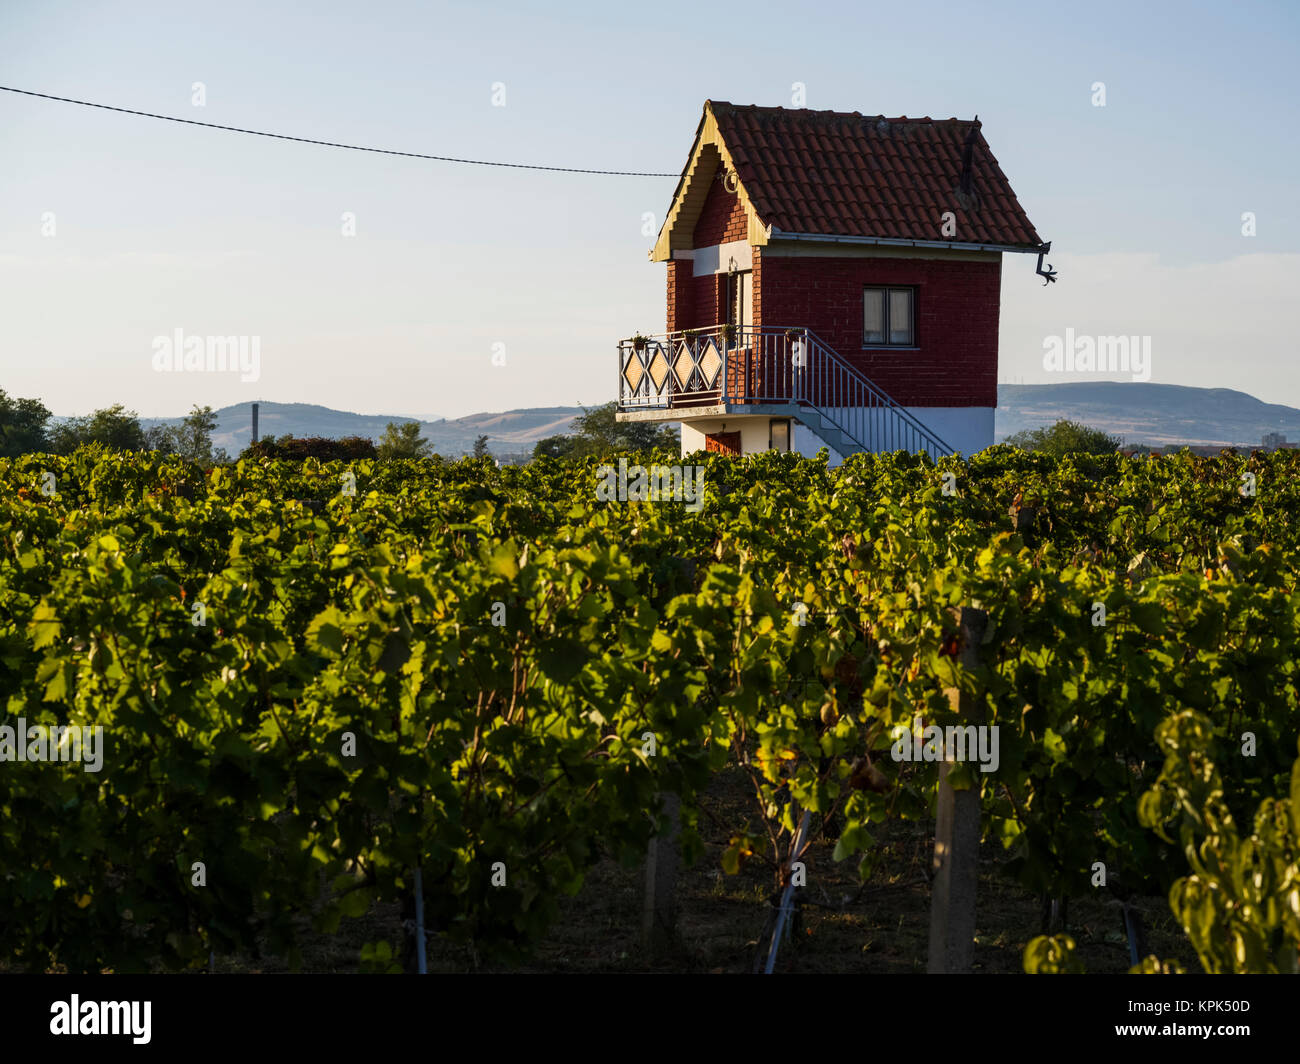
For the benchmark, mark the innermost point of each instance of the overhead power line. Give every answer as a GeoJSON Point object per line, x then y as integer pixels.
{"type": "Point", "coordinates": [334, 144]}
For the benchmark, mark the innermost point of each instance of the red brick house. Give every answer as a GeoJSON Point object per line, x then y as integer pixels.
{"type": "Point", "coordinates": [834, 279]}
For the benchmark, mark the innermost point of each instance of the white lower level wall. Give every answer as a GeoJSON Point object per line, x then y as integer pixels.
{"type": "Point", "coordinates": [753, 428]}
{"type": "Point", "coordinates": [965, 429]}
{"type": "Point", "coordinates": [808, 443]}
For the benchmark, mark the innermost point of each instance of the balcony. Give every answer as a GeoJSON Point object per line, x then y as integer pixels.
{"type": "Point", "coordinates": [786, 372]}
{"type": "Point", "coordinates": [722, 365]}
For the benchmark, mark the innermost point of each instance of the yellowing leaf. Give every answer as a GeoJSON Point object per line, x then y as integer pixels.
{"type": "Point", "coordinates": [325, 631]}
{"type": "Point", "coordinates": [502, 561]}
{"type": "Point", "coordinates": [44, 626]}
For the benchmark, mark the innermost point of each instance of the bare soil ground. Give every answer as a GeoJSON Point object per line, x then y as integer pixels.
{"type": "Point", "coordinates": [720, 917]}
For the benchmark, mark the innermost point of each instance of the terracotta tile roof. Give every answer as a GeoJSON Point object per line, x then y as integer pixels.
{"type": "Point", "coordinates": [847, 174]}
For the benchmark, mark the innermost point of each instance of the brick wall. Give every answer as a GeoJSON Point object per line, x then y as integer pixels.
{"type": "Point", "coordinates": [701, 302]}
{"type": "Point", "coordinates": [956, 320]}
{"type": "Point", "coordinates": [722, 219]}
{"type": "Point", "coordinates": [708, 301]}
{"type": "Point", "coordinates": [681, 312]}
{"type": "Point", "coordinates": [694, 302]}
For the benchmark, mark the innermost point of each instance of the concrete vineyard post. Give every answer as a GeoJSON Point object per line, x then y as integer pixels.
{"type": "Point", "coordinates": [957, 829]}
{"type": "Point", "coordinates": [659, 918]}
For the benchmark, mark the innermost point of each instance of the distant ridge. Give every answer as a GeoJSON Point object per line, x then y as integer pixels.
{"type": "Point", "coordinates": [508, 432]}
{"type": "Point", "coordinates": [1143, 413]}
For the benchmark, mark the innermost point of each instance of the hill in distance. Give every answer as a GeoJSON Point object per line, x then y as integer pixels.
{"type": "Point", "coordinates": [1158, 415]}
{"type": "Point", "coordinates": [509, 432]}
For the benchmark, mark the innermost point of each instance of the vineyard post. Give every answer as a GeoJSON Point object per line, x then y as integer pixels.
{"type": "Point", "coordinates": [420, 962]}
{"type": "Point", "coordinates": [957, 827]}
{"type": "Point", "coordinates": [659, 918]}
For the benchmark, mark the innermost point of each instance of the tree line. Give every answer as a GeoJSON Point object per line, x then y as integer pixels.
{"type": "Point", "coordinates": [25, 428]}
{"type": "Point", "coordinates": [28, 427]}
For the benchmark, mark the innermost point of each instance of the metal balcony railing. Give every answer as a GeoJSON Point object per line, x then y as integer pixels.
{"type": "Point", "coordinates": [768, 366]}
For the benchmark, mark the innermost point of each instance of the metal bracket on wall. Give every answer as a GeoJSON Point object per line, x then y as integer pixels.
{"type": "Point", "coordinates": [1048, 275]}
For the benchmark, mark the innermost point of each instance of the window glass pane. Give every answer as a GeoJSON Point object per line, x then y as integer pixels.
{"type": "Point", "coordinates": [780, 435]}
{"type": "Point", "coordinates": [873, 316]}
{"type": "Point", "coordinates": [900, 316]}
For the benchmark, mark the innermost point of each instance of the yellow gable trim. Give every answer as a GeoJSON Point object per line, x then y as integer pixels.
{"type": "Point", "coordinates": [708, 156]}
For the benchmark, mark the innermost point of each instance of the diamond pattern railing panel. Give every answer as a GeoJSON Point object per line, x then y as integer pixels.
{"type": "Point", "coordinates": [710, 365]}
{"type": "Point", "coordinates": [658, 368]}
{"type": "Point", "coordinates": [684, 366]}
{"type": "Point", "coordinates": [634, 373]}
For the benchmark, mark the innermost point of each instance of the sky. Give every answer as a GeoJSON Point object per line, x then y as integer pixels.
{"type": "Point", "coordinates": [470, 288]}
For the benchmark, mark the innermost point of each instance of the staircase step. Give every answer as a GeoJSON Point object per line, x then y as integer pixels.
{"type": "Point", "coordinates": [828, 432]}
{"type": "Point", "coordinates": [840, 443]}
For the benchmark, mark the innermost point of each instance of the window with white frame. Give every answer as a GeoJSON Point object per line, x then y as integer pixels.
{"type": "Point", "coordinates": [888, 317]}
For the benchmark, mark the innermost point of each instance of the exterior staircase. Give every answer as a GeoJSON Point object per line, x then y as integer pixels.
{"type": "Point", "coordinates": [787, 372]}
{"type": "Point", "coordinates": [835, 436]}
{"type": "Point", "coordinates": [843, 406]}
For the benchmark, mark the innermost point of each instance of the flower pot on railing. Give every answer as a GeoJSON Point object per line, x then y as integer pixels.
{"type": "Point", "coordinates": [639, 342]}
{"type": "Point", "coordinates": [728, 335]}
{"type": "Point", "coordinates": [690, 336]}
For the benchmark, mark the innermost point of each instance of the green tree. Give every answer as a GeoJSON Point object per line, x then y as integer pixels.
{"type": "Point", "coordinates": [1065, 437]}
{"type": "Point", "coordinates": [481, 448]}
{"type": "Point", "coordinates": [402, 441]}
{"type": "Point", "coordinates": [597, 431]}
{"type": "Point", "coordinates": [556, 446]}
{"type": "Point", "coordinates": [113, 426]}
{"type": "Point", "coordinates": [192, 438]}
{"type": "Point", "coordinates": [22, 426]}
{"type": "Point", "coordinates": [160, 438]}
